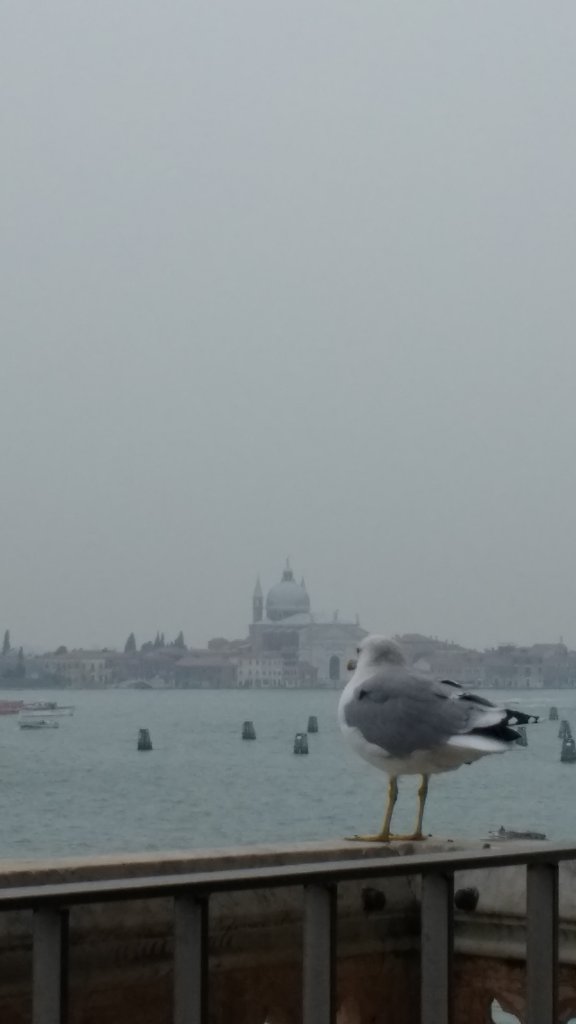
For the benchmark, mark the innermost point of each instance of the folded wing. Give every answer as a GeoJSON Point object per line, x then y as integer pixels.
{"type": "Point", "coordinates": [404, 712]}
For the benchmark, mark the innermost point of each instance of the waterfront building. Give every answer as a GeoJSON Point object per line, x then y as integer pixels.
{"type": "Point", "coordinates": [443, 658]}
{"type": "Point", "coordinates": [264, 673]}
{"type": "Point", "coordinates": [200, 669]}
{"type": "Point", "coordinates": [78, 668]}
{"type": "Point", "coordinates": [314, 649]}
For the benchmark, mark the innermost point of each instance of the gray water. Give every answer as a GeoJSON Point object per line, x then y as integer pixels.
{"type": "Point", "coordinates": [84, 788]}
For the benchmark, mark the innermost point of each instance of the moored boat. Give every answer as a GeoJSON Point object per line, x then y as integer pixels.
{"type": "Point", "coordinates": [11, 707]}
{"type": "Point", "coordinates": [37, 722]}
{"type": "Point", "coordinates": [49, 707]}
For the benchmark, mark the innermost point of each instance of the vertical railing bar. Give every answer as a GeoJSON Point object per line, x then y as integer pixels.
{"type": "Point", "coordinates": [50, 966]}
{"type": "Point", "coordinates": [190, 960]}
{"type": "Point", "coordinates": [437, 942]}
{"type": "Point", "coordinates": [319, 966]}
{"type": "Point", "coordinates": [64, 965]}
{"type": "Point", "coordinates": [541, 943]}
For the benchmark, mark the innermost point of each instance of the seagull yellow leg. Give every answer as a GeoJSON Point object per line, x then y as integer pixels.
{"type": "Point", "coordinates": [417, 834]}
{"type": "Point", "coordinates": [422, 794]}
{"type": "Point", "coordinates": [384, 835]}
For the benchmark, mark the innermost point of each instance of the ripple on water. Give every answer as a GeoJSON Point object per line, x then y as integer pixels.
{"type": "Point", "coordinates": [84, 788]}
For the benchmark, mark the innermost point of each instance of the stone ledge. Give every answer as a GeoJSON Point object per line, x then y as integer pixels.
{"type": "Point", "coordinates": [134, 865]}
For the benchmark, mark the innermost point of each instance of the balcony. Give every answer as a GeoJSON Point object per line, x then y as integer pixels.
{"type": "Point", "coordinates": [329, 933]}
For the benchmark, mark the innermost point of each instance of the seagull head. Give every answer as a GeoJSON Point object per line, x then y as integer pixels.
{"type": "Point", "coordinates": [377, 652]}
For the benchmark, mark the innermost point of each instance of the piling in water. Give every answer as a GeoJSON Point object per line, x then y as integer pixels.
{"type": "Point", "coordinates": [522, 740]}
{"type": "Point", "coordinates": [248, 731]}
{"type": "Point", "coordinates": [568, 752]}
{"type": "Point", "coordinates": [144, 741]}
{"type": "Point", "coordinates": [312, 724]}
{"type": "Point", "coordinates": [553, 714]}
{"type": "Point", "coordinates": [300, 743]}
{"type": "Point", "coordinates": [564, 732]}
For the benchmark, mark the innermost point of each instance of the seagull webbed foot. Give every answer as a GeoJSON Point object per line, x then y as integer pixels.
{"type": "Point", "coordinates": [380, 838]}
{"type": "Point", "coordinates": [416, 837]}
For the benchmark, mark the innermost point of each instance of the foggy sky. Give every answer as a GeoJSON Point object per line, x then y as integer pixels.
{"type": "Point", "coordinates": [287, 279]}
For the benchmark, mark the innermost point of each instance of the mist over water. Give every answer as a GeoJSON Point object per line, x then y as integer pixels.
{"type": "Point", "coordinates": [84, 788]}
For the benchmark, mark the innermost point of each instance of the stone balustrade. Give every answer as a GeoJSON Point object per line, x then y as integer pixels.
{"type": "Point", "coordinates": [121, 954]}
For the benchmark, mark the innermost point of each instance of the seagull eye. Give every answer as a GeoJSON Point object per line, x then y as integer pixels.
{"type": "Point", "coordinates": [357, 650]}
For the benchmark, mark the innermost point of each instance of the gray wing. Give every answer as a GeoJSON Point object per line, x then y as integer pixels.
{"type": "Point", "coordinates": [403, 712]}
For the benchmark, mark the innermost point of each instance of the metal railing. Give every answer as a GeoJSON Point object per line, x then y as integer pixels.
{"type": "Point", "coordinates": [191, 894]}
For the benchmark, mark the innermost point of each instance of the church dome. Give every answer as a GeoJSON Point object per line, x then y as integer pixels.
{"type": "Point", "coordinates": [287, 598]}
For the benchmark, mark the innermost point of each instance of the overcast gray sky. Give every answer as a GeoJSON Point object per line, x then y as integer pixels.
{"type": "Point", "coordinates": [287, 278]}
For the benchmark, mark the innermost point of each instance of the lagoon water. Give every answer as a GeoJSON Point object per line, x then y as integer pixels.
{"type": "Point", "coordinates": [84, 788]}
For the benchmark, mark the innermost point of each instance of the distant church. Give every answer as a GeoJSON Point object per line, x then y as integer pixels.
{"type": "Point", "coordinates": [310, 646]}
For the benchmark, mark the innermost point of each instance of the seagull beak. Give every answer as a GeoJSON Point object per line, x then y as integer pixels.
{"type": "Point", "coordinates": [351, 664]}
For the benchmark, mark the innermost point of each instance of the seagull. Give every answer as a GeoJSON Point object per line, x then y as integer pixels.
{"type": "Point", "coordinates": [405, 723]}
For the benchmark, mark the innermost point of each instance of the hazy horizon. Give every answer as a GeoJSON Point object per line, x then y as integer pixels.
{"type": "Point", "coordinates": [287, 279]}
{"type": "Point", "coordinates": [192, 640]}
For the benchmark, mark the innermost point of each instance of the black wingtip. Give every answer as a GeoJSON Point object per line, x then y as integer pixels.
{"type": "Point", "coordinates": [450, 682]}
{"type": "Point", "coordinates": [519, 717]}
{"type": "Point", "coordinates": [501, 731]}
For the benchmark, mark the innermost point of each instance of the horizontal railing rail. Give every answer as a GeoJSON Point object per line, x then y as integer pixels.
{"type": "Point", "coordinates": [277, 876]}
{"type": "Point", "coordinates": [191, 893]}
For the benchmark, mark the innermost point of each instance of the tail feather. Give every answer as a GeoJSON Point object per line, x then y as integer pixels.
{"type": "Point", "coordinates": [501, 731]}
{"type": "Point", "coordinates": [510, 716]}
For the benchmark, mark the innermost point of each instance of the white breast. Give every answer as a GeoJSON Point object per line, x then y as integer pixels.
{"type": "Point", "coordinates": [369, 751]}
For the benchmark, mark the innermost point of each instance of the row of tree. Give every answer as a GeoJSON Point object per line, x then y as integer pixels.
{"type": "Point", "coordinates": [130, 647]}
{"type": "Point", "coordinates": [15, 667]}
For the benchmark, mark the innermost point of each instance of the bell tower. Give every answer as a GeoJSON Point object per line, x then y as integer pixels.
{"type": "Point", "coordinates": [257, 603]}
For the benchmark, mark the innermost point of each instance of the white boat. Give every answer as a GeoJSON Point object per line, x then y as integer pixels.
{"type": "Point", "coordinates": [48, 712]}
{"type": "Point", "coordinates": [50, 708]}
{"type": "Point", "coordinates": [36, 722]}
